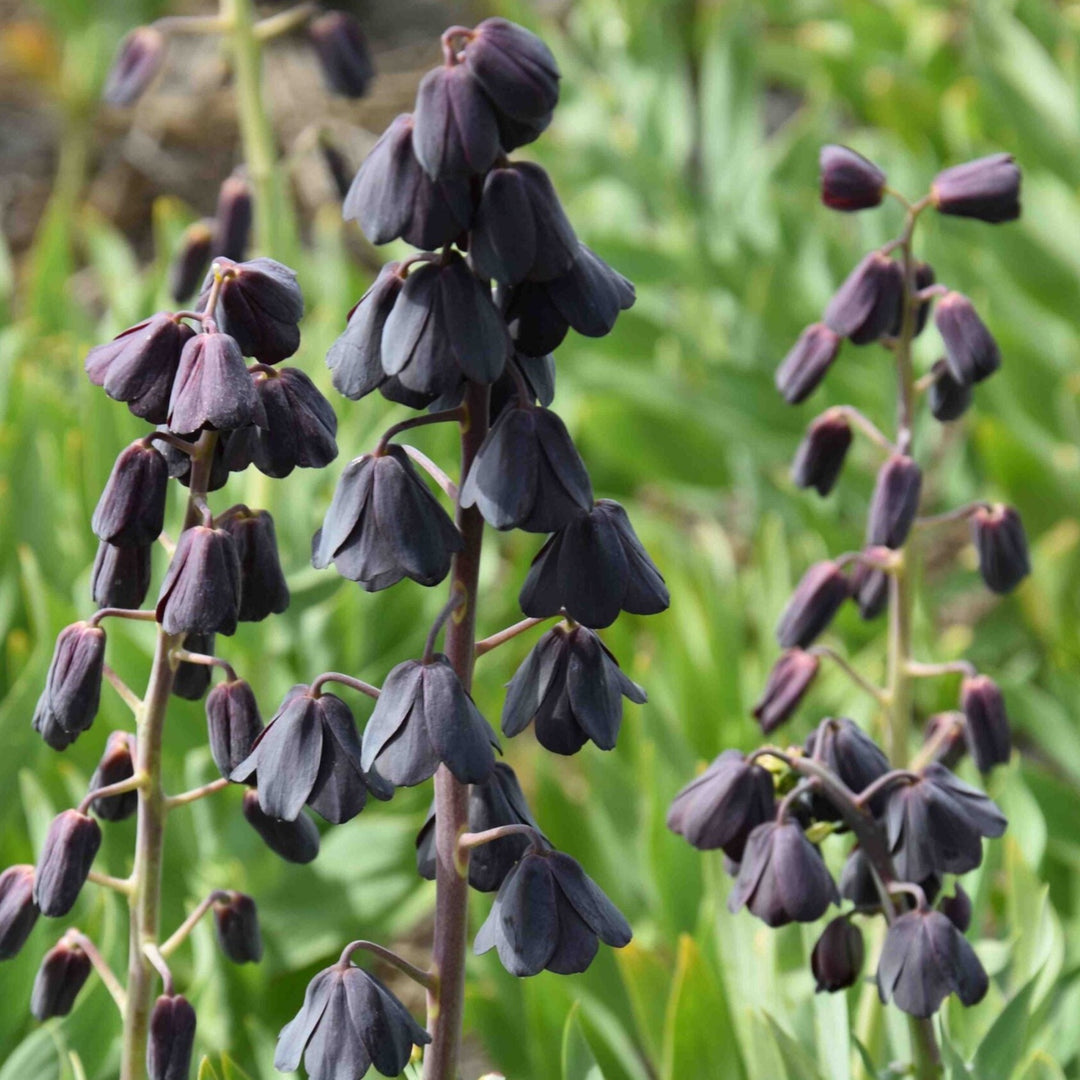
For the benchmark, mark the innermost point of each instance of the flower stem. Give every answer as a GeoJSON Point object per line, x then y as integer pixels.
{"type": "Point", "coordinates": [446, 999]}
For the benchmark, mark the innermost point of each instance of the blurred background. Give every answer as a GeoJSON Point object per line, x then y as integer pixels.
{"type": "Point", "coordinates": [685, 151]}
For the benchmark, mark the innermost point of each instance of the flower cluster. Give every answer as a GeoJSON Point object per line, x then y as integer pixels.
{"type": "Point", "coordinates": [914, 822]}
{"type": "Point", "coordinates": [462, 332]}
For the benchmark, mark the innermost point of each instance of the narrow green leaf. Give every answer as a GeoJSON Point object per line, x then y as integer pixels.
{"type": "Point", "coordinates": [578, 1062]}
{"type": "Point", "coordinates": [1003, 1045]}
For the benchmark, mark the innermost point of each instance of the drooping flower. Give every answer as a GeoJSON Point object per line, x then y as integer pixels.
{"type": "Point", "coordinates": [172, 1038]}
{"type": "Point", "coordinates": [236, 924]}
{"type": "Point", "coordinates": [68, 704]}
{"type": "Point", "coordinates": [987, 188]}
{"type": "Point", "coordinates": [849, 181]}
{"type": "Point", "coordinates": [263, 589]}
{"type": "Point", "coordinates": [131, 510]}
{"type": "Point", "coordinates": [999, 538]}
{"type": "Point", "coordinates": [295, 841]}
{"type": "Point", "coordinates": [233, 723]}
{"type": "Point", "coordinates": [788, 682]}
{"type": "Point", "coordinates": [201, 590]}
{"type": "Point", "coordinates": [816, 599]}
{"type": "Point", "coordinates": [837, 958]}
{"type": "Point", "coordinates": [70, 846]}
{"type": "Point", "coordinates": [343, 53]}
{"type": "Point", "coordinates": [18, 909]}
{"type": "Point", "coordinates": [62, 974]}
{"type": "Point", "coordinates": [116, 765]}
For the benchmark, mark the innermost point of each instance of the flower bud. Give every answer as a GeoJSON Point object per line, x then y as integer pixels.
{"type": "Point", "coordinates": [172, 1037]}
{"type": "Point", "coordinates": [802, 370]}
{"type": "Point", "coordinates": [263, 590]}
{"type": "Point", "coordinates": [192, 680]}
{"type": "Point", "coordinates": [865, 306]}
{"type": "Point", "coordinates": [191, 260]}
{"type": "Point", "coordinates": [957, 908]}
{"type": "Point", "coordinates": [838, 955]}
{"type": "Point", "coordinates": [232, 220]}
{"type": "Point", "coordinates": [948, 399]}
{"type": "Point", "coordinates": [343, 53]}
{"type": "Point", "coordinates": [895, 503]}
{"type": "Point", "coordinates": [971, 352]}
{"type": "Point", "coordinates": [260, 305]}
{"type": "Point", "coordinates": [821, 454]}
{"type": "Point", "coordinates": [998, 535]}
{"type": "Point", "coordinates": [72, 693]}
{"type": "Point", "coordinates": [857, 881]}
{"type": "Point", "coordinates": [986, 727]}
{"type": "Point", "coordinates": [987, 188]}
{"type": "Point", "coordinates": [117, 763]}
{"type": "Point", "coordinates": [233, 723]}
{"type": "Point", "coordinates": [201, 590]}
{"type": "Point", "coordinates": [131, 510]}
{"type": "Point", "coordinates": [18, 910]}
{"type": "Point", "coordinates": [64, 970]}
{"type": "Point", "coordinates": [121, 576]}
{"type": "Point", "coordinates": [213, 388]}
{"type": "Point", "coordinates": [70, 846]}
{"type": "Point", "coordinates": [846, 750]}
{"type": "Point", "coordinates": [816, 599]}
{"type": "Point", "coordinates": [849, 181]}
{"type": "Point", "coordinates": [455, 133]}
{"type": "Point", "coordinates": [137, 62]}
{"type": "Point", "coordinates": [722, 806]}
{"type": "Point", "coordinates": [870, 588]}
{"type": "Point", "coordinates": [295, 841]}
{"type": "Point", "coordinates": [236, 921]}
{"type": "Point", "coordinates": [788, 682]}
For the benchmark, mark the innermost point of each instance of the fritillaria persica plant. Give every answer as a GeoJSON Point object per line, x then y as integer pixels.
{"type": "Point", "coordinates": [461, 332]}
{"type": "Point", "coordinates": [910, 822]}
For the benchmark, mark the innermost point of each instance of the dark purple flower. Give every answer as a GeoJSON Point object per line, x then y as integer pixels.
{"type": "Point", "coordinates": [593, 568]}
{"type": "Point", "coordinates": [865, 307]}
{"type": "Point", "coordinates": [971, 352]}
{"type": "Point", "coordinates": [588, 298]}
{"type": "Point", "coordinates": [172, 1038]}
{"type": "Point", "coordinates": [948, 399]}
{"type": "Point", "coordinates": [987, 188]}
{"type": "Point", "coordinates": [355, 359]}
{"type": "Point", "coordinates": [70, 846]}
{"type": "Point", "coordinates": [957, 908]}
{"type": "Point", "coordinates": [348, 1023]}
{"type": "Point", "coordinates": [895, 503]}
{"type": "Point", "coordinates": [425, 718]}
{"type": "Point", "coordinates": [496, 801]}
{"type": "Point", "coordinates": [137, 61]}
{"type": "Point", "coordinates": [924, 278]}
{"type": "Point", "coordinates": [18, 909]}
{"type": "Point", "coordinates": [233, 723]}
{"type": "Point", "coordinates": [343, 53]}
{"type": "Point", "coordinates": [68, 704]}
{"type": "Point", "coordinates": [117, 764]}
{"type": "Point", "coordinates": [722, 806]}
{"type": "Point", "coordinates": [857, 882]}
{"type": "Point", "coordinates": [193, 680]}
{"type": "Point", "coordinates": [310, 754]}
{"type": "Point", "coordinates": [232, 221]}
{"type": "Point", "coordinates": [192, 258]}
{"type": "Point", "coordinates": [782, 876]}
{"type": "Point", "coordinates": [298, 431]}
{"type": "Point", "coordinates": [999, 538]}
{"type": "Point", "coordinates": [986, 724]}
{"type": "Point", "coordinates": [821, 454]}
{"type": "Point", "coordinates": [131, 510]}
{"type": "Point", "coordinates": [924, 960]}
{"type": "Point", "coordinates": [443, 327]}
{"type": "Point", "coordinates": [260, 305]}
{"type": "Point", "coordinates": [384, 524]}
{"type": "Point", "coordinates": [393, 198]}
{"type": "Point", "coordinates": [549, 914]}
{"type": "Point", "coordinates": [788, 681]}
{"type": "Point", "coordinates": [201, 590]}
{"type": "Point", "coordinates": [810, 358]}
{"type": "Point", "coordinates": [263, 590]}
{"type": "Point", "coordinates": [538, 373]}
{"type": "Point", "coordinates": [139, 365]}
{"type": "Point", "coordinates": [121, 576]}
{"type": "Point", "coordinates": [870, 590]}
{"type": "Point", "coordinates": [213, 388]}
{"type": "Point", "coordinates": [847, 751]}
{"type": "Point", "coordinates": [236, 923]}
{"type": "Point", "coordinates": [528, 474]}
{"type": "Point", "coordinates": [63, 973]}
{"type": "Point", "coordinates": [180, 462]}
{"type": "Point", "coordinates": [455, 132]}
{"type": "Point", "coordinates": [573, 688]}
{"type": "Point", "coordinates": [295, 841]}
{"type": "Point", "coordinates": [520, 230]}
{"type": "Point", "coordinates": [935, 825]}
{"type": "Point", "coordinates": [837, 959]}
{"type": "Point", "coordinates": [848, 180]}
{"type": "Point", "coordinates": [816, 599]}
{"type": "Point", "coordinates": [519, 75]}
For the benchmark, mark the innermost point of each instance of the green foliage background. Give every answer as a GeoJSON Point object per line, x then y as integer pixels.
{"type": "Point", "coordinates": [685, 152]}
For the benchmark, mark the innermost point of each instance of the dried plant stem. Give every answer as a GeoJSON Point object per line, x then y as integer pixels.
{"type": "Point", "coordinates": [446, 998]}
{"type": "Point", "coordinates": [145, 895]}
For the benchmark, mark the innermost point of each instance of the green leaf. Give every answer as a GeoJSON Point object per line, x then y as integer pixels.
{"type": "Point", "coordinates": [1040, 1066]}
{"type": "Point", "coordinates": [206, 1070]}
{"type": "Point", "coordinates": [231, 1070]}
{"type": "Point", "coordinates": [1003, 1045]}
{"type": "Point", "coordinates": [578, 1062]}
